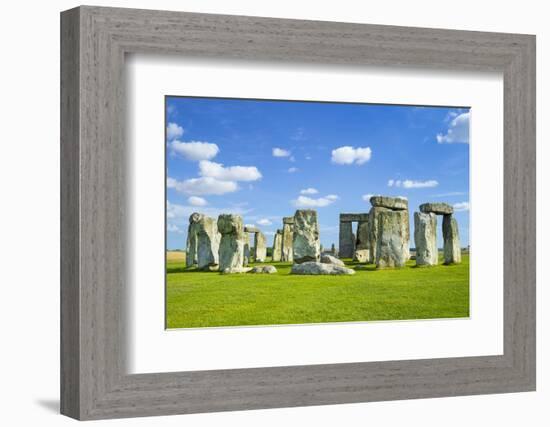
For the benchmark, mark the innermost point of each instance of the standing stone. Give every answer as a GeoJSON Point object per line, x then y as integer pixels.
{"type": "Point", "coordinates": [231, 254]}
{"type": "Point", "coordinates": [451, 241]}
{"type": "Point", "coordinates": [288, 231]}
{"type": "Point", "coordinates": [333, 250]}
{"type": "Point", "coordinates": [392, 243]}
{"type": "Point", "coordinates": [346, 244]}
{"type": "Point", "coordinates": [362, 248]}
{"type": "Point", "coordinates": [246, 249]}
{"type": "Point", "coordinates": [277, 246]}
{"type": "Point", "coordinates": [373, 231]}
{"type": "Point", "coordinates": [192, 241]}
{"type": "Point", "coordinates": [260, 249]}
{"type": "Point", "coordinates": [305, 243]}
{"type": "Point", "coordinates": [208, 240]}
{"type": "Point", "coordinates": [425, 240]}
{"type": "Point", "coordinates": [408, 237]}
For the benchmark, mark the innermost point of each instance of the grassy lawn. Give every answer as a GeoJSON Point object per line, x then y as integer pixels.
{"type": "Point", "coordinates": [202, 299]}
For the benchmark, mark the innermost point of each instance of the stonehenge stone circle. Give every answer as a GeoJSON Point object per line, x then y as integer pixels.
{"type": "Point", "coordinates": [208, 243]}
{"type": "Point", "coordinates": [437, 208]}
{"type": "Point", "coordinates": [287, 254]}
{"type": "Point", "coordinates": [231, 253]}
{"type": "Point", "coordinates": [393, 203]}
{"type": "Point", "coordinates": [192, 242]}
{"type": "Point", "coordinates": [362, 251]}
{"type": "Point", "coordinates": [260, 249]}
{"type": "Point", "coordinates": [425, 240]}
{"type": "Point", "coordinates": [277, 246]}
{"type": "Point", "coordinates": [312, 267]}
{"type": "Point", "coordinates": [392, 242]}
{"type": "Point", "coordinates": [329, 259]}
{"type": "Point", "coordinates": [451, 241]}
{"type": "Point", "coordinates": [305, 242]}
{"type": "Point", "coordinates": [346, 245]}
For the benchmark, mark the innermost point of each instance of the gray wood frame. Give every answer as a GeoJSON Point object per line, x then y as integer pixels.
{"type": "Point", "coordinates": [94, 382]}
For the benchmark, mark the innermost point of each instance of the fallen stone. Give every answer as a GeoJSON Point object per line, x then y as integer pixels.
{"type": "Point", "coordinates": [329, 259]}
{"type": "Point", "coordinates": [394, 203]}
{"type": "Point", "coordinates": [425, 238]}
{"type": "Point", "coordinates": [265, 269]}
{"type": "Point", "coordinates": [305, 242]}
{"type": "Point", "coordinates": [437, 208]}
{"type": "Point", "coordinates": [236, 270]}
{"type": "Point", "coordinates": [314, 268]}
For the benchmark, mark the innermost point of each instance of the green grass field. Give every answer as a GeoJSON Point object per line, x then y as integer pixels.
{"type": "Point", "coordinates": [204, 299]}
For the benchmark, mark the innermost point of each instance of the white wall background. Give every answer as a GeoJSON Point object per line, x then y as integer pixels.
{"type": "Point", "coordinates": [29, 212]}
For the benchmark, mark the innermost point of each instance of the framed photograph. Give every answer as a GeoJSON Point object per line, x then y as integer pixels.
{"type": "Point", "coordinates": [262, 213]}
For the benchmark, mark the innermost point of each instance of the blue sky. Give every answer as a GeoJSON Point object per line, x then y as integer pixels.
{"type": "Point", "coordinates": [265, 159]}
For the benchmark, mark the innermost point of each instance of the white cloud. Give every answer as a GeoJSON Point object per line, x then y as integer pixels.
{"type": "Point", "coordinates": [308, 202]}
{"type": "Point", "coordinates": [348, 155]}
{"type": "Point", "coordinates": [173, 228]}
{"type": "Point", "coordinates": [420, 184]}
{"type": "Point", "coordinates": [366, 197]}
{"type": "Point", "coordinates": [309, 190]}
{"type": "Point", "coordinates": [197, 201]}
{"type": "Point", "coordinates": [458, 131]}
{"type": "Point", "coordinates": [264, 221]}
{"type": "Point", "coordinates": [292, 170]}
{"type": "Point", "coordinates": [231, 173]}
{"type": "Point", "coordinates": [173, 131]}
{"type": "Point", "coordinates": [409, 183]}
{"type": "Point", "coordinates": [462, 206]}
{"type": "Point", "coordinates": [195, 150]}
{"type": "Point", "coordinates": [280, 152]}
{"type": "Point", "coordinates": [202, 186]}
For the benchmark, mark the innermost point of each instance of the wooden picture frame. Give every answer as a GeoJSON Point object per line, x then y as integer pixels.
{"type": "Point", "coordinates": [94, 382]}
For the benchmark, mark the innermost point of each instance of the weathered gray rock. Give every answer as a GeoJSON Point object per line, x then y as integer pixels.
{"type": "Point", "coordinates": [362, 247]}
{"type": "Point", "coordinates": [312, 267]}
{"type": "Point", "coordinates": [265, 269]}
{"type": "Point", "coordinates": [246, 251]}
{"type": "Point", "coordinates": [437, 208]}
{"type": "Point", "coordinates": [329, 259]}
{"type": "Point", "coordinates": [277, 246]}
{"type": "Point", "coordinates": [425, 238]}
{"type": "Point", "coordinates": [393, 203]}
{"type": "Point", "coordinates": [288, 232]}
{"type": "Point", "coordinates": [236, 270]}
{"type": "Point", "coordinates": [451, 241]}
{"type": "Point", "coordinates": [373, 231]}
{"type": "Point", "coordinates": [192, 241]}
{"type": "Point", "coordinates": [346, 243]}
{"type": "Point", "coordinates": [392, 244]}
{"type": "Point", "coordinates": [260, 249]}
{"type": "Point", "coordinates": [305, 243]}
{"type": "Point", "coordinates": [208, 243]}
{"type": "Point", "coordinates": [231, 253]}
